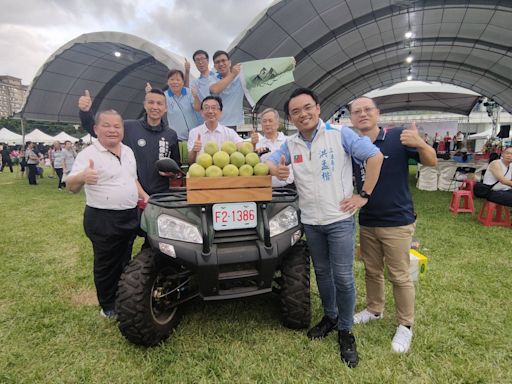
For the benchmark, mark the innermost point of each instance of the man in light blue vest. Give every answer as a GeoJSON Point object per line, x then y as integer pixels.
{"type": "Point", "coordinates": [321, 158]}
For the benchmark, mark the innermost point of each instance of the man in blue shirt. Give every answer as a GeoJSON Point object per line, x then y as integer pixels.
{"type": "Point", "coordinates": [206, 77]}
{"type": "Point", "coordinates": [387, 222]}
{"type": "Point", "coordinates": [229, 88]}
{"type": "Point", "coordinates": [321, 158]}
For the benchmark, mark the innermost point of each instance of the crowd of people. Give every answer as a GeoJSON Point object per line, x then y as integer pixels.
{"type": "Point", "coordinates": [320, 161]}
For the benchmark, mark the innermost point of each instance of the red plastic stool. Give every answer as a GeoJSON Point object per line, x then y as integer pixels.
{"type": "Point", "coordinates": [467, 201]}
{"type": "Point", "coordinates": [468, 185]}
{"type": "Point", "coordinates": [491, 214]}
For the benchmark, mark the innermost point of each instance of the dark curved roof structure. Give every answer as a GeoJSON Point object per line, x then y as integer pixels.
{"type": "Point", "coordinates": [113, 66]}
{"type": "Point", "coordinates": [345, 49]}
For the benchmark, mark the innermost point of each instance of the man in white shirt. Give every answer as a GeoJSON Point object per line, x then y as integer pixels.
{"type": "Point", "coordinates": [271, 140]}
{"type": "Point", "coordinates": [108, 171]}
{"type": "Point", "coordinates": [211, 109]}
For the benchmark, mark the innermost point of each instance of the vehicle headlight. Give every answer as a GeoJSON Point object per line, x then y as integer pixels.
{"type": "Point", "coordinates": [175, 229]}
{"type": "Point", "coordinates": [283, 221]}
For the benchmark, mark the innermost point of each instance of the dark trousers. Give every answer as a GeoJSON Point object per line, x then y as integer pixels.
{"type": "Point", "coordinates": [6, 162]}
{"type": "Point", "coordinates": [111, 233]}
{"type": "Point", "coordinates": [501, 197]}
{"type": "Point", "coordinates": [32, 172]}
{"type": "Point", "coordinates": [59, 173]}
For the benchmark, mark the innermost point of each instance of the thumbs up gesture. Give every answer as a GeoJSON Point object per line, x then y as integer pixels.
{"type": "Point", "coordinates": [89, 174]}
{"type": "Point", "coordinates": [85, 101]}
{"type": "Point", "coordinates": [255, 137]}
{"type": "Point", "coordinates": [197, 144]}
{"type": "Point", "coordinates": [148, 87]}
{"type": "Point", "coordinates": [187, 65]}
{"type": "Point", "coordinates": [283, 171]}
{"type": "Point", "coordinates": [410, 137]}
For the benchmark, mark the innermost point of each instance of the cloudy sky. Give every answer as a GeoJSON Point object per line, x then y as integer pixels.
{"type": "Point", "coordinates": [31, 30]}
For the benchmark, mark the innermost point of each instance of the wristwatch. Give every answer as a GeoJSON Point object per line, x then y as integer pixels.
{"type": "Point", "coordinates": [364, 195]}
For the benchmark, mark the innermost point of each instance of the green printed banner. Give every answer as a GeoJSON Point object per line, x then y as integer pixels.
{"type": "Point", "coordinates": [260, 77]}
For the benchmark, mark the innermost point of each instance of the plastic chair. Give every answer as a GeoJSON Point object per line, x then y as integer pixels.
{"type": "Point", "coordinates": [493, 214]}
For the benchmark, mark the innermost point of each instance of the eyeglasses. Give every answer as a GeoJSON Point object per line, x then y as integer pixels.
{"type": "Point", "coordinates": [297, 111]}
{"type": "Point", "coordinates": [220, 61]}
{"type": "Point", "coordinates": [366, 110]}
{"type": "Point", "coordinates": [200, 59]}
{"type": "Point", "coordinates": [210, 108]}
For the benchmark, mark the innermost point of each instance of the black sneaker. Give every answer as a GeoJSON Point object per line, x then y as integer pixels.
{"type": "Point", "coordinates": [323, 328]}
{"type": "Point", "coordinates": [348, 349]}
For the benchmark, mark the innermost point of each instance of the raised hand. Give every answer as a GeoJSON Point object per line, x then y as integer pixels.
{"type": "Point", "coordinates": [90, 175]}
{"type": "Point", "coordinates": [410, 137]}
{"type": "Point", "coordinates": [197, 144]}
{"type": "Point", "coordinates": [283, 171]}
{"type": "Point", "coordinates": [85, 101]}
{"type": "Point", "coordinates": [254, 137]}
{"type": "Point", "coordinates": [235, 69]}
{"type": "Point", "coordinates": [187, 65]}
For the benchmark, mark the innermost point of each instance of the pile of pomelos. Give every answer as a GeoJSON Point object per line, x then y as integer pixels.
{"type": "Point", "coordinates": [227, 161]}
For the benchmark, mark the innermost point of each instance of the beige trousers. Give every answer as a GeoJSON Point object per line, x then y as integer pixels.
{"type": "Point", "coordinates": [388, 246]}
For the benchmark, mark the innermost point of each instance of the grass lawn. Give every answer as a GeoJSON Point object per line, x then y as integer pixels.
{"type": "Point", "coordinates": [50, 330]}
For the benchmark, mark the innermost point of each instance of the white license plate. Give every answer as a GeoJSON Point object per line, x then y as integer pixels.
{"type": "Point", "coordinates": [234, 216]}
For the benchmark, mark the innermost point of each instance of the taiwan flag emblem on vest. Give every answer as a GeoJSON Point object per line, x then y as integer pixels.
{"type": "Point", "coordinates": [297, 159]}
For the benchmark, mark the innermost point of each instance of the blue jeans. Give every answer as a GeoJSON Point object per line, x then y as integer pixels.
{"type": "Point", "coordinates": [332, 250]}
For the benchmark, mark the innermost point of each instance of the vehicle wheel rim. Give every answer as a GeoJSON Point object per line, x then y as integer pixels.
{"type": "Point", "coordinates": [160, 310]}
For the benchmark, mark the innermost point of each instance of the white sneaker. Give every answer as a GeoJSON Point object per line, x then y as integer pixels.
{"type": "Point", "coordinates": [365, 316]}
{"type": "Point", "coordinates": [402, 340]}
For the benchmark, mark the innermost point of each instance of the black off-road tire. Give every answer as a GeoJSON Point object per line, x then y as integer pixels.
{"type": "Point", "coordinates": [295, 294]}
{"type": "Point", "coordinates": [144, 318]}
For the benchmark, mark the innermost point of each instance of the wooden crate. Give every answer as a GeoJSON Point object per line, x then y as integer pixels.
{"type": "Point", "coordinates": [206, 190]}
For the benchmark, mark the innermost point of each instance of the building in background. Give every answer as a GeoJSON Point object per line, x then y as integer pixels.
{"type": "Point", "coordinates": [12, 93]}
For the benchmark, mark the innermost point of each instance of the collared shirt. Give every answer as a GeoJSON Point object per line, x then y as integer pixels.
{"type": "Point", "coordinates": [202, 84]}
{"type": "Point", "coordinates": [323, 169]}
{"type": "Point", "coordinates": [116, 188]}
{"type": "Point", "coordinates": [181, 115]}
{"type": "Point", "coordinates": [233, 102]}
{"type": "Point", "coordinates": [219, 135]}
{"type": "Point", "coordinates": [354, 145]}
{"type": "Point", "coordinates": [390, 204]}
{"type": "Point", "coordinates": [264, 142]}
{"type": "Point", "coordinates": [68, 157]}
{"type": "Point", "coordinates": [57, 159]}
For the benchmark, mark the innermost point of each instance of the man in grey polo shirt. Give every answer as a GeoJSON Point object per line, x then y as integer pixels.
{"type": "Point", "coordinates": [108, 171]}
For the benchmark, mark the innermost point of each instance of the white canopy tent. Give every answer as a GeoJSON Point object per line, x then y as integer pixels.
{"type": "Point", "coordinates": [9, 137]}
{"type": "Point", "coordinates": [63, 136]}
{"type": "Point", "coordinates": [38, 136]}
{"type": "Point", "coordinates": [88, 138]}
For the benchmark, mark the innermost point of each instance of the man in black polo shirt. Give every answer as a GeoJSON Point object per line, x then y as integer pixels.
{"type": "Point", "coordinates": [387, 221]}
{"type": "Point", "coordinates": [150, 138]}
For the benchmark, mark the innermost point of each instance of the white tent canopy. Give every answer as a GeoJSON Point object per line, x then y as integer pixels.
{"type": "Point", "coordinates": [87, 138]}
{"type": "Point", "coordinates": [63, 136]}
{"type": "Point", "coordinates": [9, 137]}
{"type": "Point", "coordinates": [38, 136]}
